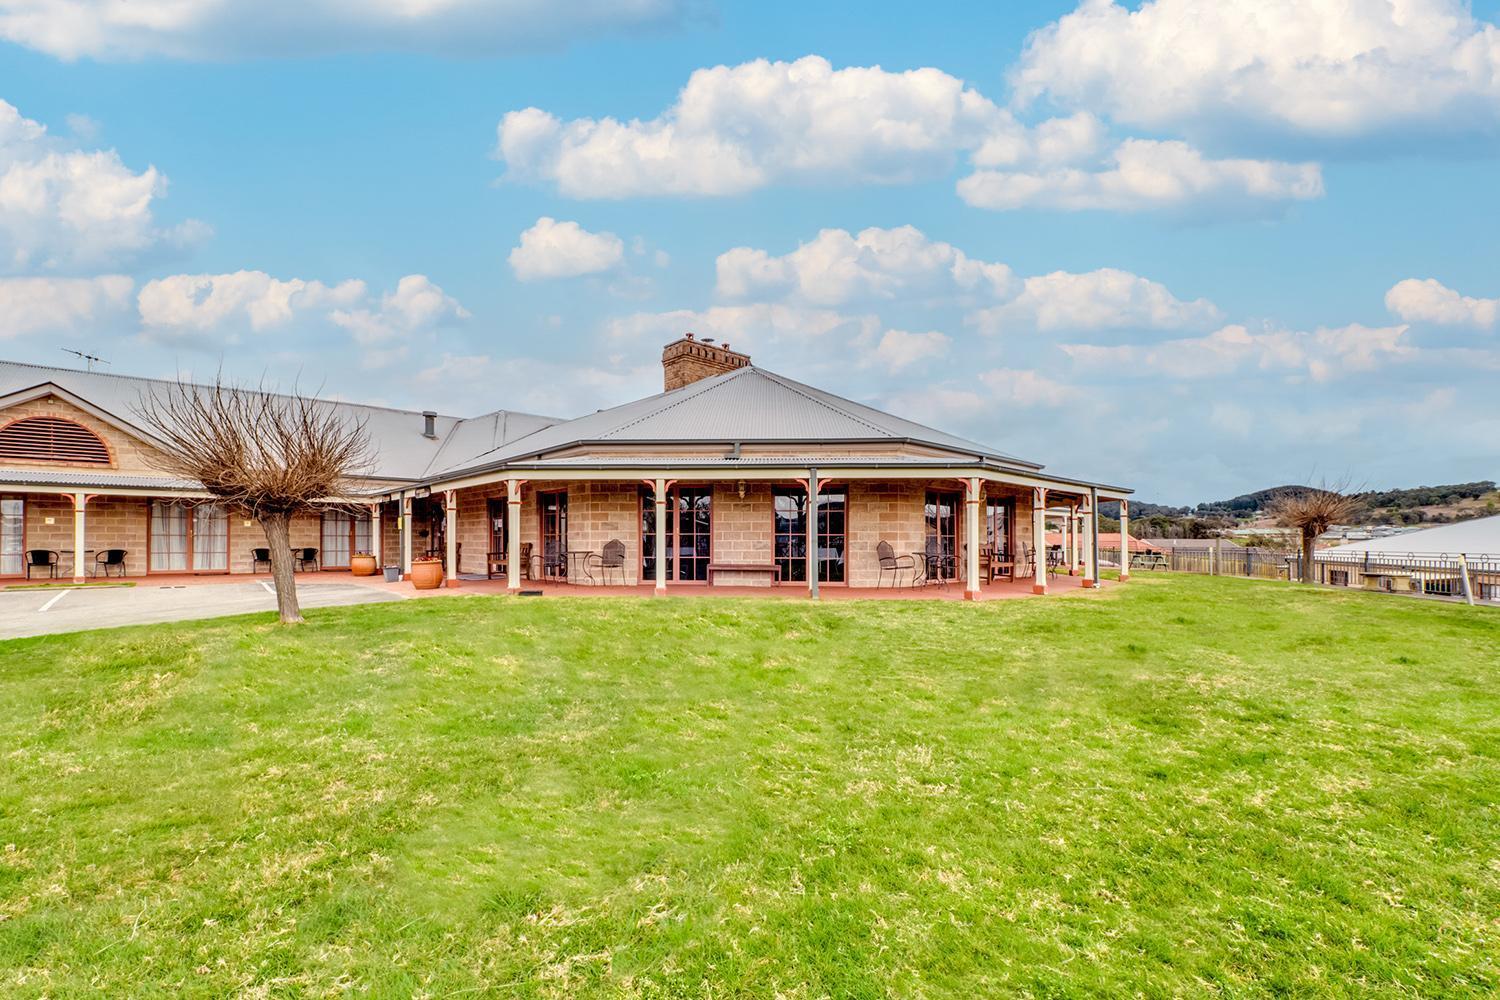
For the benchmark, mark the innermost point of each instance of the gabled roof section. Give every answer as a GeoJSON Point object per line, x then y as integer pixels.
{"type": "Point", "coordinates": [749, 405]}
{"type": "Point", "coordinates": [401, 450]}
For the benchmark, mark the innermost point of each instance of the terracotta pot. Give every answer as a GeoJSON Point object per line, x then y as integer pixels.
{"type": "Point", "coordinates": [427, 575]}
{"type": "Point", "coordinates": [362, 565]}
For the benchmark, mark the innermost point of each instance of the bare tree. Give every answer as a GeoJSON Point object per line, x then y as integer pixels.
{"type": "Point", "coordinates": [1311, 512]}
{"type": "Point", "coordinates": [268, 455]}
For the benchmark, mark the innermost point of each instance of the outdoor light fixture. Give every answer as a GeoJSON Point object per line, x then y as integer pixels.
{"type": "Point", "coordinates": [740, 488]}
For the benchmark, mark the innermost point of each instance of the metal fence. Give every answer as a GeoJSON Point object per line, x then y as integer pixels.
{"type": "Point", "coordinates": [1463, 577]}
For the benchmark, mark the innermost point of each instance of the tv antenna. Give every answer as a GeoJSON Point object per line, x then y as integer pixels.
{"type": "Point", "coordinates": [89, 359]}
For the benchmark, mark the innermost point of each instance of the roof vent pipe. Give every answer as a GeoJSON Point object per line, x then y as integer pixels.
{"type": "Point", "coordinates": [429, 424]}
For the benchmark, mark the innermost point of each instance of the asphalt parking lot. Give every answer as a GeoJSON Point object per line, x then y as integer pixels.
{"type": "Point", "coordinates": [43, 612]}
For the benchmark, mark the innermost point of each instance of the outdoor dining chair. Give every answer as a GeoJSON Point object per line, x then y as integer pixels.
{"type": "Point", "coordinates": [893, 564]}
{"type": "Point", "coordinates": [611, 558]}
{"type": "Point", "coordinates": [46, 559]}
{"type": "Point", "coordinates": [258, 556]}
{"type": "Point", "coordinates": [306, 557]}
{"type": "Point", "coordinates": [941, 566]}
{"type": "Point", "coordinates": [109, 559]}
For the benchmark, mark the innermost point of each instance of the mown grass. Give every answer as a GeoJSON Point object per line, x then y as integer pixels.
{"type": "Point", "coordinates": [1182, 787]}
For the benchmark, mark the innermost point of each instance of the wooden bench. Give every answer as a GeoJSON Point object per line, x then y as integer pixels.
{"type": "Point", "coordinates": [771, 568]}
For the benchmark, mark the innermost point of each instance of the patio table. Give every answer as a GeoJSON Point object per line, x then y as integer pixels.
{"type": "Point", "coordinates": [579, 559]}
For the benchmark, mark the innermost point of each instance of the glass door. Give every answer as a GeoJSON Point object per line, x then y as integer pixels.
{"type": "Point", "coordinates": [338, 539]}
{"type": "Point", "coordinates": [210, 539]}
{"type": "Point", "coordinates": [495, 508]}
{"type": "Point", "coordinates": [12, 536]}
{"type": "Point", "coordinates": [554, 511]}
{"type": "Point", "coordinates": [694, 506]}
{"type": "Point", "coordinates": [169, 537]}
{"type": "Point", "coordinates": [941, 513]}
{"type": "Point", "coordinates": [688, 545]}
{"type": "Point", "coordinates": [790, 533]}
{"type": "Point", "coordinates": [997, 521]}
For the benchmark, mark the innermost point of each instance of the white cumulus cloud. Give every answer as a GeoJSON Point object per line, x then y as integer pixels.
{"type": "Point", "coordinates": [838, 267]}
{"type": "Point", "coordinates": [63, 209]}
{"type": "Point", "coordinates": [737, 128]}
{"type": "Point", "coordinates": [1143, 174]}
{"type": "Point", "coordinates": [28, 305]}
{"type": "Point", "coordinates": [1096, 300]}
{"type": "Point", "coordinates": [1323, 353]}
{"type": "Point", "coordinates": [1024, 387]}
{"type": "Point", "coordinates": [552, 249]}
{"type": "Point", "coordinates": [417, 304]}
{"type": "Point", "coordinates": [220, 29]}
{"type": "Point", "coordinates": [1429, 301]}
{"type": "Point", "coordinates": [1319, 68]}
{"type": "Point", "coordinates": [897, 350]}
{"type": "Point", "coordinates": [187, 304]}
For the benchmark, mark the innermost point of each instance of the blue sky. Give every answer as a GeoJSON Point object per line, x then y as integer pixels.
{"type": "Point", "coordinates": [1196, 247]}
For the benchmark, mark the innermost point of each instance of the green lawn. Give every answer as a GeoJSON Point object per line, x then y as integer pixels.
{"type": "Point", "coordinates": [1182, 787]}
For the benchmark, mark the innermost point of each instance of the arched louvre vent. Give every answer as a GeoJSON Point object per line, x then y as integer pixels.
{"type": "Point", "coordinates": [51, 439]}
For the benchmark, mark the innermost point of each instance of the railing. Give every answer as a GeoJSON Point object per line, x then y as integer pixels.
{"type": "Point", "coordinates": [1260, 564]}
{"type": "Point", "coordinates": [1458, 576]}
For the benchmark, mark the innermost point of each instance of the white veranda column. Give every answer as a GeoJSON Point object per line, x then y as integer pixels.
{"type": "Point", "coordinates": [377, 536]}
{"type": "Point", "coordinates": [450, 535]}
{"type": "Point", "coordinates": [404, 523]}
{"type": "Point", "coordinates": [971, 539]}
{"type": "Point", "coordinates": [80, 501]}
{"type": "Point", "coordinates": [1124, 540]}
{"type": "Point", "coordinates": [1039, 539]}
{"type": "Point", "coordinates": [513, 534]}
{"type": "Point", "coordinates": [659, 489]}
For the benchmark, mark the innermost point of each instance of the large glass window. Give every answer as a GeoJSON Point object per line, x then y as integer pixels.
{"type": "Point", "coordinates": [688, 545]}
{"type": "Point", "coordinates": [789, 527]}
{"type": "Point", "coordinates": [12, 536]}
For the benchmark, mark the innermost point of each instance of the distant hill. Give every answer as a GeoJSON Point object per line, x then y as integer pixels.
{"type": "Point", "coordinates": [1416, 505]}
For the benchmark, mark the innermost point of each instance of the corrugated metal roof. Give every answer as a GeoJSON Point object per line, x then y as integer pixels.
{"type": "Point", "coordinates": [88, 477]}
{"type": "Point", "coordinates": [746, 405]}
{"type": "Point", "coordinates": [743, 462]}
{"type": "Point", "coordinates": [401, 450]}
{"type": "Point", "coordinates": [1479, 537]}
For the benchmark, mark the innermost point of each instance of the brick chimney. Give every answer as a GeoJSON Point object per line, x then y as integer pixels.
{"type": "Point", "coordinates": [689, 359]}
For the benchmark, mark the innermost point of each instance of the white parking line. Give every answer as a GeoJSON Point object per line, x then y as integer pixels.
{"type": "Point", "coordinates": [269, 589]}
{"type": "Point", "coordinates": [60, 595]}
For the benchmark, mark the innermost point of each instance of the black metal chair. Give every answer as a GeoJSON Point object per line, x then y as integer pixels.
{"type": "Point", "coordinates": [893, 564]}
{"type": "Point", "coordinates": [941, 566]}
{"type": "Point", "coordinates": [611, 558]}
{"type": "Point", "coordinates": [306, 557]}
{"type": "Point", "coordinates": [258, 556]}
{"type": "Point", "coordinates": [108, 560]}
{"type": "Point", "coordinates": [554, 560]}
{"type": "Point", "coordinates": [47, 559]}
{"type": "Point", "coordinates": [1027, 564]}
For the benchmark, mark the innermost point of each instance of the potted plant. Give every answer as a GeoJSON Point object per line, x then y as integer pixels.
{"type": "Point", "coordinates": [427, 572]}
{"type": "Point", "coordinates": [362, 564]}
